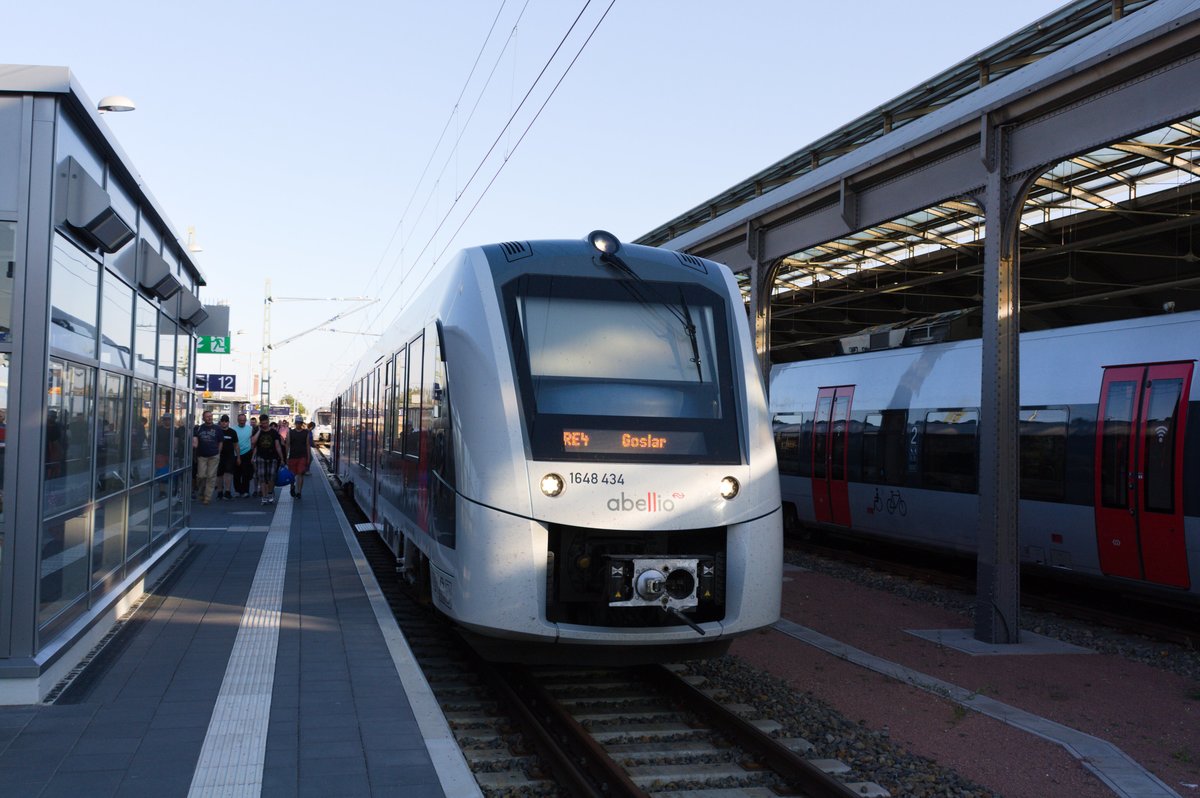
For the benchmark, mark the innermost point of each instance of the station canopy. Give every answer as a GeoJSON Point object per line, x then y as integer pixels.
{"type": "Point", "coordinates": [1105, 235]}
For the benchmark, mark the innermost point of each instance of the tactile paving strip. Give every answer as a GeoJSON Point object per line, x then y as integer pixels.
{"type": "Point", "coordinates": [231, 761]}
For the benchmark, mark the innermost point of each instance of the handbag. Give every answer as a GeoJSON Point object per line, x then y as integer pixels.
{"type": "Point", "coordinates": [284, 477]}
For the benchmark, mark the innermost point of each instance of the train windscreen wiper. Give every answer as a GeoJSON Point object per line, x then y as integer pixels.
{"type": "Point", "coordinates": [685, 318]}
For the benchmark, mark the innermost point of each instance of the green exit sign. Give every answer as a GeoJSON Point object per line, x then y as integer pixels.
{"type": "Point", "coordinates": [212, 345]}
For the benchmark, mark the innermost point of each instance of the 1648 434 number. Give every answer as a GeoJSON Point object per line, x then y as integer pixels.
{"type": "Point", "coordinates": [596, 478]}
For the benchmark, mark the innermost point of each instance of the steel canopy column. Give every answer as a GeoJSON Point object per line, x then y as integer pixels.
{"type": "Point", "coordinates": [998, 576]}
{"type": "Point", "coordinates": [762, 275]}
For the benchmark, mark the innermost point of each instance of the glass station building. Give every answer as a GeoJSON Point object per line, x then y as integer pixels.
{"type": "Point", "coordinates": [98, 306]}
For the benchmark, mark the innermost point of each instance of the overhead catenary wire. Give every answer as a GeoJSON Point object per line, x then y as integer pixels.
{"type": "Point", "coordinates": [491, 149]}
{"type": "Point", "coordinates": [450, 118]}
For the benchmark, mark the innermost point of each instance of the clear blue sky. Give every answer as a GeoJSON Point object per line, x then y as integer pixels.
{"type": "Point", "coordinates": [293, 136]}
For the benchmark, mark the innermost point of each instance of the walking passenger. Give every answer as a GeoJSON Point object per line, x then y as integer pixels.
{"type": "Point", "coordinates": [299, 444]}
{"type": "Point", "coordinates": [206, 447]}
{"type": "Point", "coordinates": [253, 483]}
{"type": "Point", "coordinates": [268, 454]}
{"type": "Point", "coordinates": [227, 463]}
{"type": "Point", "coordinates": [243, 466]}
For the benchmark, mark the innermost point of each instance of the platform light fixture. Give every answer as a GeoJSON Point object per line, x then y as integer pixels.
{"type": "Point", "coordinates": [117, 103]}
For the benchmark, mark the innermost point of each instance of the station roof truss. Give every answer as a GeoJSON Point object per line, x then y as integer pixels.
{"type": "Point", "coordinates": [1027, 46]}
{"type": "Point", "coordinates": [1083, 226]}
{"type": "Point", "coordinates": [1105, 234]}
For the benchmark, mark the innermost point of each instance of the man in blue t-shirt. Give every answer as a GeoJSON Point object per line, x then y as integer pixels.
{"type": "Point", "coordinates": [244, 465]}
{"type": "Point", "coordinates": [206, 443]}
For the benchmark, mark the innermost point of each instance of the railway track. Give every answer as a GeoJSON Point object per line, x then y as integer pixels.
{"type": "Point", "coordinates": [615, 732]}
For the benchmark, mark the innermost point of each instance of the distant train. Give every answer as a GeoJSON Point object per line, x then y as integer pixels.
{"type": "Point", "coordinates": [323, 419]}
{"type": "Point", "coordinates": [885, 444]}
{"type": "Point", "coordinates": [567, 445]}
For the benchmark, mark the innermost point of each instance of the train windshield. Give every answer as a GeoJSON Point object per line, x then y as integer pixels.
{"type": "Point", "coordinates": [621, 369]}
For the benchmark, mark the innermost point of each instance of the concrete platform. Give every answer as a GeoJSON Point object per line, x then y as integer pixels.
{"type": "Point", "coordinates": [266, 663]}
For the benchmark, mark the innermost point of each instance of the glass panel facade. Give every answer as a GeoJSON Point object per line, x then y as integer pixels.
{"type": "Point", "coordinates": [141, 451]}
{"type": "Point", "coordinates": [166, 350]}
{"type": "Point", "coordinates": [180, 483]}
{"type": "Point", "coordinates": [116, 323]}
{"type": "Point", "coordinates": [164, 432]}
{"type": "Point", "coordinates": [8, 265]}
{"type": "Point", "coordinates": [140, 505]}
{"type": "Point", "coordinates": [112, 433]}
{"type": "Point", "coordinates": [162, 507]}
{"type": "Point", "coordinates": [64, 563]}
{"type": "Point", "coordinates": [69, 453]}
{"type": "Point", "coordinates": [183, 361]}
{"type": "Point", "coordinates": [183, 431]}
{"type": "Point", "coordinates": [108, 542]}
{"type": "Point", "coordinates": [74, 295]}
{"type": "Point", "coordinates": [145, 339]}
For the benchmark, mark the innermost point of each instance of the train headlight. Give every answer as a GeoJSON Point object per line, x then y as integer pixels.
{"type": "Point", "coordinates": [729, 487]}
{"type": "Point", "coordinates": [604, 241]}
{"type": "Point", "coordinates": [552, 485]}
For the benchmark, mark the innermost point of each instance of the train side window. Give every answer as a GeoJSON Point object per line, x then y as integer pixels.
{"type": "Point", "coordinates": [1043, 452]}
{"type": "Point", "coordinates": [884, 447]}
{"type": "Point", "coordinates": [397, 403]}
{"type": "Point", "coordinates": [364, 424]}
{"type": "Point", "coordinates": [1159, 444]}
{"type": "Point", "coordinates": [949, 456]}
{"type": "Point", "coordinates": [412, 398]}
{"type": "Point", "coordinates": [1114, 444]}
{"type": "Point", "coordinates": [787, 444]}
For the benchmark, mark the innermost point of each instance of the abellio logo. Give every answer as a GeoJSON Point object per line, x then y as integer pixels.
{"type": "Point", "coordinates": [653, 503]}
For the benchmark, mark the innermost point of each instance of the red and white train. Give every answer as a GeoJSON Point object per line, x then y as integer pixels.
{"type": "Point", "coordinates": [884, 444]}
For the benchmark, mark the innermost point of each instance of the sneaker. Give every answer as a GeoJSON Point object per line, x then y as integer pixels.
{"type": "Point", "coordinates": [228, 496]}
{"type": "Point", "coordinates": [292, 490]}
{"type": "Point", "coordinates": [270, 500]}
{"type": "Point", "coordinates": [264, 500]}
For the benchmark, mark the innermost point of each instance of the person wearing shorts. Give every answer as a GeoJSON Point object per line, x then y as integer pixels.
{"type": "Point", "coordinates": [268, 452]}
{"type": "Point", "coordinates": [299, 454]}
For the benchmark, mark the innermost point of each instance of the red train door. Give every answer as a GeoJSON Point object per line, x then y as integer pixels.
{"type": "Point", "coordinates": [1139, 472]}
{"type": "Point", "coordinates": [831, 427]}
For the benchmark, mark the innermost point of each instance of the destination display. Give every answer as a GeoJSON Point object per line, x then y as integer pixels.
{"type": "Point", "coordinates": [611, 441]}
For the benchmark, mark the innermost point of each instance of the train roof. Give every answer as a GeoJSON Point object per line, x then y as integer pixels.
{"type": "Point", "coordinates": [508, 259]}
{"type": "Point", "coordinates": [1060, 366]}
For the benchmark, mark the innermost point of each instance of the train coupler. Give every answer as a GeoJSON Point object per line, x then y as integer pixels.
{"type": "Point", "coordinates": [672, 583]}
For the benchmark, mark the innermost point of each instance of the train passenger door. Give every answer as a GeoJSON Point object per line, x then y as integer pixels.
{"type": "Point", "coordinates": [831, 427]}
{"type": "Point", "coordinates": [1139, 472]}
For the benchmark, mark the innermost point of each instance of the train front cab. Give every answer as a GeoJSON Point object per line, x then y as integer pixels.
{"type": "Point", "coordinates": [840, 470]}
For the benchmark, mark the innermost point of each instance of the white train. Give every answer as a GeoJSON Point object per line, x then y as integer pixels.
{"type": "Point", "coordinates": [567, 445]}
{"type": "Point", "coordinates": [885, 444]}
{"type": "Point", "coordinates": [323, 431]}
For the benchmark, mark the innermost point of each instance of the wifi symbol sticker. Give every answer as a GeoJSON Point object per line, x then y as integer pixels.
{"type": "Point", "coordinates": [1161, 433]}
